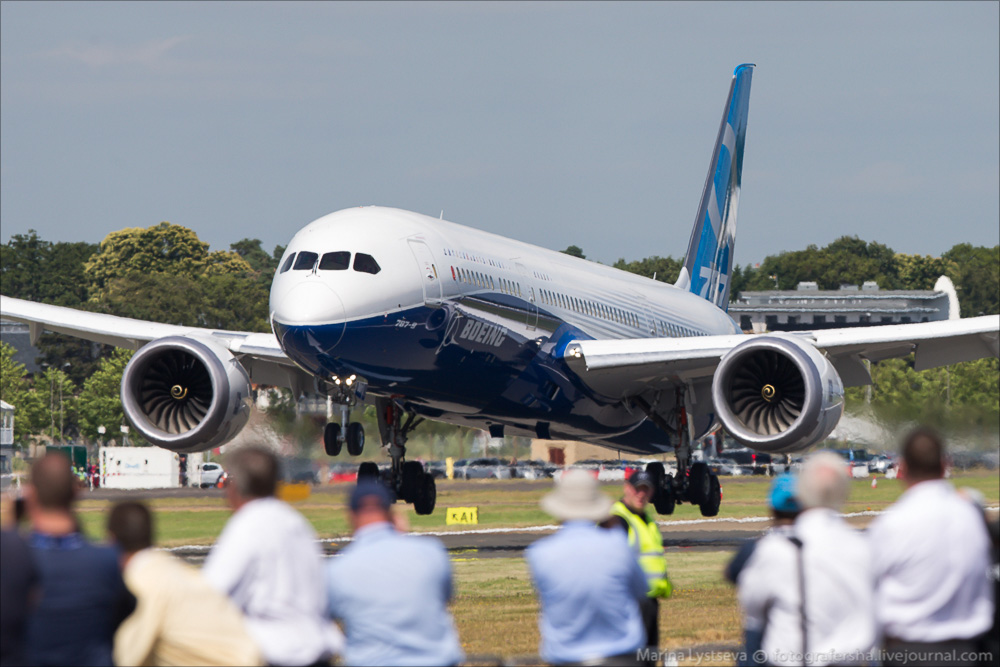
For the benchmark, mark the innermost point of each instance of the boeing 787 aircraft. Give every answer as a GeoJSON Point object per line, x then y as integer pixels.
{"type": "Point", "coordinates": [433, 320]}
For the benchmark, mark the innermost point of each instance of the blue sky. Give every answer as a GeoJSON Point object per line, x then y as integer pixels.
{"type": "Point", "coordinates": [553, 123]}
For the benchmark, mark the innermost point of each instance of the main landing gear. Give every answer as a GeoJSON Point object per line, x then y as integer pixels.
{"type": "Point", "coordinates": [694, 483]}
{"type": "Point", "coordinates": [407, 479]}
{"type": "Point", "coordinates": [336, 435]}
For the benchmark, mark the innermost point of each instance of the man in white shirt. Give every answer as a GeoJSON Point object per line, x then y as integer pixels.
{"type": "Point", "coordinates": [267, 560]}
{"type": "Point", "coordinates": [931, 555]}
{"type": "Point", "coordinates": [824, 559]}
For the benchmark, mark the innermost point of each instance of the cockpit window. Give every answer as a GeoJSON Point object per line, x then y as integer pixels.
{"type": "Point", "coordinates": [288, 263]}
{"type": "Point", "coordinates": [335, 261]}
{"type": "Point", "coordinates": [366, 263]}
{"type": "Point", "coordinates": [305, 262]}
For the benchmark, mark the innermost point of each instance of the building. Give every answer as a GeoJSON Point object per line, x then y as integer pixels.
{"type": "Point", "coordinates": [807, 307]}
{"type": "Point", "coordinates": [6, 436]}
{"type": "Point", "coordinates": [18, 336]}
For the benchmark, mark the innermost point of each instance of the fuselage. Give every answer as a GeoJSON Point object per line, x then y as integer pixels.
{"type": "Point", "coordinates": [469, 327]}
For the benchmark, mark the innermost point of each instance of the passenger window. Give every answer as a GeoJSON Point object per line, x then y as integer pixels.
{"type": "Point", "coordinates": [288, 263]}
{"type": "Point", "coordinates": [335, 261]}
{"type": "Point", "coordinates": [366, 263]}
{"type": "Point", "coordinates": [306, 261]}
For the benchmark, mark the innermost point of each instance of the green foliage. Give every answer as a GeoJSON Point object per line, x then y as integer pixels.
{"type": "Point", "coordinates": [15, 390]}
{"type": "Point", "coordinates": [574, 251]}
{"type": "Point", "coordinates": [38, 270]}
{"type": "Point", "coordinates": [100, 401]}
{"type": "Point", "coordinates": [55, 412]}
{"type": "Point", "coordinates": [666, 269]}
{"type": "Point", "coordinates": [975, 270]}
{"type": "Point", "coordinates": [961, 396]}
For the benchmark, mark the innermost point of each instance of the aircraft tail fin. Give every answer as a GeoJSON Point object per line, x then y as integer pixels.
{"type": "Point", "coordinates": [709, 261]}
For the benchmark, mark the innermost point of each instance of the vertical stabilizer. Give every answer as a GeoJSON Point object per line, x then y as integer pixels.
{"type": "Point", "coordinates": [709, 260]}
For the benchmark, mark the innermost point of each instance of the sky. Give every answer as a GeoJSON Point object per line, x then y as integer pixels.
{"type": "Point", "coordinates": [553, 123]}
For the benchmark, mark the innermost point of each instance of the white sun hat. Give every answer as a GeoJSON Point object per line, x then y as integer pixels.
{"type": "Point", "coordinates": [577, 497]}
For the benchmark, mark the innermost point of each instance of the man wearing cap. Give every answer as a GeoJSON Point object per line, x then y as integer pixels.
{"type": "Point", "coordinates": [635, 515]}
{"type": "Point", "coordinates": [588, 580]}
{"type": "Point", "coordinates": [391, 590]}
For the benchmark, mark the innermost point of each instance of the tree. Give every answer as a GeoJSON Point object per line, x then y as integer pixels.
{"type": "Point", "coordinates": [100, 402]}
{"type": "Point", "coordinates": [975, 270]}
{"type": "Point", "coordinates": [920, 271]}
{"type": "Point", "coordinates": [574, 251]}
{"type": "Point", "coordinates": [666, 269]}
{"type": "Point", "coordinates": [57, 400]}
{"type": "Point", "coordinates": [16, 391]}
{"type": "Point", "coordinates": [163, 248]}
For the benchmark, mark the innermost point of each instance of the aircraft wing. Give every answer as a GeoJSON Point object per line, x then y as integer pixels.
{"type": "Point", "coordinates": [623, 368]}
{"type": "Point", "coordinates": [259, 353]}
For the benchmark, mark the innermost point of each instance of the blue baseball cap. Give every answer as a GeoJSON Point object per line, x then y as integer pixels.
{"type": "Point", "coordinates": [369, 489]}
{"type": "Point", "coordinates": [782, 496]}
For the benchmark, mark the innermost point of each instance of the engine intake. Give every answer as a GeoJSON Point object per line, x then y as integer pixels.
{"type": "Point", "coordinates": [186, 394]}
{"type": "Point", "coordinates": [777, 394]}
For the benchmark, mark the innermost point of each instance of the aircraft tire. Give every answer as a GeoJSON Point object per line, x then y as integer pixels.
{"type": "Point", "coordinates": [410, 485]}
{"type": "Point", "coordinates": [426, 498]}
{"type": "Point", "coordinates": [355, 438]}
{"type": "Point", "coordinates": [711, 505]}
{"type": "Point", "coordinates": [663, 500]}
{"type": "Point", "coordinates": [699, 483]}
{"type": "Point", "coordinates": [331, 439]}
{"type": "Point", "coordinates": [368, 470]}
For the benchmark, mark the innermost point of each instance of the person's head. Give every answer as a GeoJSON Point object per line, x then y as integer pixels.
{"type": "Point", "coordinates": [53, 485]}
{"type": "Point", "coordinates": [784, 504]}
{"type": "Point", "coordinates": [638, 490]}
{"type": "Point", "coordinates": [369, 503]}
{"type": "Point", "coordinates": [823, 482]}
{"type": "Point", "coordinates": [577, 497]}
{"type": "Point", "coordinates": [923, 456]}
{"type": "Point", "coordinates": [253, 474]}
{"type": "Point", "coordinates": [130, 525]}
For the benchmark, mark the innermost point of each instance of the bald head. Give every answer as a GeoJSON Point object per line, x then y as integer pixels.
{"type": "Point", "coordinates": [923, 455]}
{"type": "Point", "coordinates": [53, 482]}
{"type": "Point", "coordinates": [254, 472]}
{"type": "Point", "coordinates": [823, 481]}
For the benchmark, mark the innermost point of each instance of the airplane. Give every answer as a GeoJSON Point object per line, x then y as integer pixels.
{"type": "Point", "coordinates": [428, 319]}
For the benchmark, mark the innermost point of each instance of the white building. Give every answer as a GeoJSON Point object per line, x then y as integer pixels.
{"type": "Point", "coordinates": [6, 436]}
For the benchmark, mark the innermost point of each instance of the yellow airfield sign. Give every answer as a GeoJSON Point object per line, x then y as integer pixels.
{"type": "Point", "coordinates": [466, 515]}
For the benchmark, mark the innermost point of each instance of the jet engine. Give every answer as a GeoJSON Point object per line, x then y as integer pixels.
{"type": "Point", "coordinates": [186, 394]}
{"type": "Point", "coordinates": [777, 394]}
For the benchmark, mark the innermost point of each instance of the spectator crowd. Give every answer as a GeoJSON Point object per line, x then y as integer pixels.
{"type": "Point", "coordinates": [916, 588]}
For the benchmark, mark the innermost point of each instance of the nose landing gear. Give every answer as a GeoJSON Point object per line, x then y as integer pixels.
{"type": "Point", "coordinates": [336, 435]}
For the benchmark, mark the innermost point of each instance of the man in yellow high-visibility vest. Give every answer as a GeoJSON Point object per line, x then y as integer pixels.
{"type": "Point", "coordinates": [634, 514]}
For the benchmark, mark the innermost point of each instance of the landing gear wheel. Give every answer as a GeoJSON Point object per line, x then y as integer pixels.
{"type": "Point", "coordinates": [331, 439]}
{"type": "Point", "coordinates": [711, 506]}
{"type": "Point", "coordinates": [355, 438]}
{"type": "Point", "coordinates": [663, 495]}
{"type": "Point", "coordinates": [664, 500]}
{"type": "Point", "coordinates": [426, 498]}
{"type": "Point", "coordinates": [409, 486]}
{"type": "Point", "coordinates": [368, 471]}
{"type": "Point", "coordinates": [699, 483]}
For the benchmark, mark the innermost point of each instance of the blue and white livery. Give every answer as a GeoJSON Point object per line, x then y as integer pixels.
{"type": "Point", "coordinates": [428, 319]}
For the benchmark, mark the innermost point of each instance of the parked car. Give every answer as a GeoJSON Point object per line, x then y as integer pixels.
{"type": "Point", "coordinates": [724, 467]}
{"type": "Point", "coordinates": [857, 461]}
{"type": "Point", "coordinates": [296, 471]}
{"type": "Point", "coordinates": [752, 461]}
{"type": "Point", "coordinates": [485, 468]}
{"type": "Point", "coordinates": [880, 463]}
{"type": "Point", "coordinates": [343, 472]}
{"type": "Point", "coordinates": [436, 469]}
{"type": "Point", "coordinates": [210, 474]}
{"type": "Point", "coordinates": [530, 469]}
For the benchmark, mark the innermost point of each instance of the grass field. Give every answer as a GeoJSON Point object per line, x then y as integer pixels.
{"type": "Point", "coordinates": [502, 503]}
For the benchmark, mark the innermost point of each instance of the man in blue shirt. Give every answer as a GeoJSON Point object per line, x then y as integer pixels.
{"type": "Point", "coordinates": [390, 590]}
{"type": "Point", "coordinates": [82, 596]}
{"type": "Point", "coordinates": [588, 579]}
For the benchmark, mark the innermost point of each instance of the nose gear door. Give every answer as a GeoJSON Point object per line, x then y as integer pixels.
{"type": "Point", "coordinates": [430, 279]}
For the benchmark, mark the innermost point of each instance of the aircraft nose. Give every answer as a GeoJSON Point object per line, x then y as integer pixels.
{"type": "Point", "coordinates": [314, 305]}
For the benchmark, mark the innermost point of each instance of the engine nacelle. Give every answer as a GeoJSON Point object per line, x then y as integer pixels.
{"type": "Point", "coordinates": [777, 394]}
{"type": "Point", "coordinates": [186, 394]}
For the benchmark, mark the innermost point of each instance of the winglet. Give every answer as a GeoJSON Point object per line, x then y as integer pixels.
{"type": "Point", "coordinates": [709, 260]}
